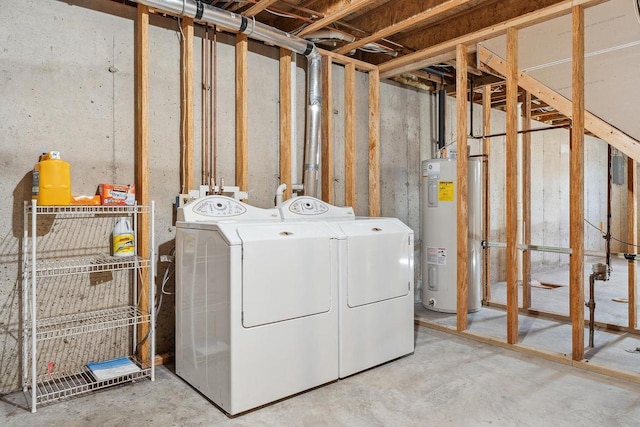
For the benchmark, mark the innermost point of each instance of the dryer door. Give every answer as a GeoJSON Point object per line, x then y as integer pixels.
{"type": "Point", "coordinates": [379, 260]}
{"type": "Point", "coordinates": [286, 271]}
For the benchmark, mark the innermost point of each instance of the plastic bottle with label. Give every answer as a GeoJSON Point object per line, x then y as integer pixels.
{"type": "Point", "coordinates": [52, 180]}
{"type": "Point", "coordinates": [123, 239]}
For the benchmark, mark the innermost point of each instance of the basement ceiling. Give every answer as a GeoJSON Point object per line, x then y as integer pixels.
{"type": "Point", "coordinates": [382, 32]}
{"type": "Point", "coordinates": [413, 42]}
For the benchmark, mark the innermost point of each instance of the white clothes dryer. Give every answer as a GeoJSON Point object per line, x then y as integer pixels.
{"type": "Point", "coordinates": [256, 303]}
{"type": "Point", "coordinates": [376, 282]}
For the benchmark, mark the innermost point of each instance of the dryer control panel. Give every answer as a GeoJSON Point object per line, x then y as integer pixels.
{"type": "Point", "coordinates": [305, 207]}
{"type": "Point", "coordinates": [222, 208]}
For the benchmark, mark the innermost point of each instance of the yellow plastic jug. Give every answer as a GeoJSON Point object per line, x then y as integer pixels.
{"type": "Point", "coordinates": [52, 180]}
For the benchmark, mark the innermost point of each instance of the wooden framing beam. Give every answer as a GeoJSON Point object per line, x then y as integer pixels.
{"type": "Point", "coordinates": [618, 139]}
{"type": "Point", "coordinates": [186, 105]}
{"type": "Point", "coordinates": [462, 213]}
{"type": "Point", "coordinates": [548, 115]}
{"type": "Point", "coordinates": [337, 11]}
{"type": "Point", "coordinates": [526, 200]}
{"type": "Point", "coordinates": [142, 164]}
{"type": "Point", "coordinates": [374, 143]}
{"type": "Point", "coordinates": [632, 237]}
{"type": "Point", "coordinates": [468, 21]}
{"type": "Point", "coordinates": [576, 189]}
{"type": "Point", "coordinates": [327, 130]}
{"type": "Point", "coordinates": [550, 315]}
{"type": "Point", "coordinates": [350, 135]}
{"type": "Point", "coordinates": [285, 120]}
{"type": "Point", "coordinates": [417, 60]}
{"type": "Point", "coordinates": [344, 60]}
{"type": "Point", "coordinates": [242, 155]}
{"type": "Point", "coordinates": [511, 187]}
{"type": "Point", "coordinates": [419, 18]}
{"type": "Point", "coordinates": [258, 7]}
{"type": "Point", "coordinates": [388, 14]}
{"type": "Point", "coordinates": [486, 150]}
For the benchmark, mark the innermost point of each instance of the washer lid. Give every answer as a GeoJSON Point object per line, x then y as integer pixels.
{"type": "Point", "coordinates": [287, 271]}
{"type": "Point", "coordinates": [379, 260]}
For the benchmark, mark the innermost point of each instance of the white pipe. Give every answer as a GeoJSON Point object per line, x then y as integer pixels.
{"type": "Point", "coordinates": [200, 11]}
{"type": "Point", "coordinates": [280, 193]}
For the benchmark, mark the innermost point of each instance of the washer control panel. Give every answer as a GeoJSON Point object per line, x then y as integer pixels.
{"type": "Point", "coordinates": [224, 209]}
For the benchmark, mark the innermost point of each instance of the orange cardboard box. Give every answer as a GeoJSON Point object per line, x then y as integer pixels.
{"type": "Point", "coordinates": [117, 195]}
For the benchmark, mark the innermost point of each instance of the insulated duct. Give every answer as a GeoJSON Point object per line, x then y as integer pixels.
{"type": "Point", "coordinates": [201, 11]}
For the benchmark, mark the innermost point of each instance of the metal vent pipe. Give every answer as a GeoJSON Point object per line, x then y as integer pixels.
{"type": "Point", "coordinates": [201, 11]}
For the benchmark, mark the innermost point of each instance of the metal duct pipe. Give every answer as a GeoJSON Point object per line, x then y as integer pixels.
{"type": "Point", "coordinates": [204, 12]}
{"type": "Point", "coordinates": [442, 109]}
{"type": "Point", "coordinates": [314, 109]}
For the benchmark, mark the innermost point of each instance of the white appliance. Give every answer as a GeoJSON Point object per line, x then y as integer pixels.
{"type": "Point", "coordinates": [376, 282]}
{"type": "Point", "coordinates": [256, 303]}
{"type": "Point", "coordinates": [439, 235]}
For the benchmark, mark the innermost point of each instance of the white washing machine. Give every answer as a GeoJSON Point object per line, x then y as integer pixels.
{"type": "Point", "coordinates": [376, 282]}
{"type": "Point", "coordinates": [256, 303]}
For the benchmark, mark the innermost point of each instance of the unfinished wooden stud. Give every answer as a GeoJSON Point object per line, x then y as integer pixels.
{"type": "Point", "coordinates": [461, 192]}
{"type": "Point", "coordinates": [576, 189]}
{"type": "Point", "coordinates": [285, 120]}
{"type": "Point", "coordinates": [511, 155]}
{"type": "Point", "coordinates": [374, 143]}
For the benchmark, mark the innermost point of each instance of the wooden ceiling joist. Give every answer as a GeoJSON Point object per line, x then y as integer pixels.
{"type": "Point", "coordinates": [475, 19]}
{"type": "Point", "coordinates": [258, 7]}
{"type": "Point", "coordinates": [337, 11]}
{"type": "Point", "coordinates": [419, 18]}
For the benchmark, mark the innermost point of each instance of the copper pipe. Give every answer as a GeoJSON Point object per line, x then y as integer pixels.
{"type": "Point", "coordinates": [205, 115]}
{"type": "Point", "coordinates": [202, 108]}
{"type": "Point", "coordinates": [214, 102]}
{"type": "Point", "coordinates": [599, 273]}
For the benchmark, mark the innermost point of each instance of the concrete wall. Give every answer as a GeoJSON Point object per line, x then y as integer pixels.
{"type": "Point", "coordinates": [67, 84]}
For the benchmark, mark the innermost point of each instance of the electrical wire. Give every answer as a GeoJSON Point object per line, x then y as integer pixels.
{"type": "Point", "coordinates": [283, 15]}
{"type": "Point", "coordinates": [604, 236]}
{"type": "Point", "coordinates": [165, 279]}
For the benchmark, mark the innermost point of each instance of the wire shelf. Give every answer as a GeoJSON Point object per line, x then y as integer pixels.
{"type": "Point", "coordinates": [81, 323]}
{"type": "Point", "coordinates": [61, 385]}
{"type": "Point", "coordinates": [51, 268]}
{"type": "Point", "coordinates": [89, 210]}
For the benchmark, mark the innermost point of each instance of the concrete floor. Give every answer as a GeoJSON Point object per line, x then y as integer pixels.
{"type": "Point", "coordinates": [611, 349]}
{"type": "Point", "coordinates": [449, 381]}
{"type": "Point", "coordinates": [556, 298]}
